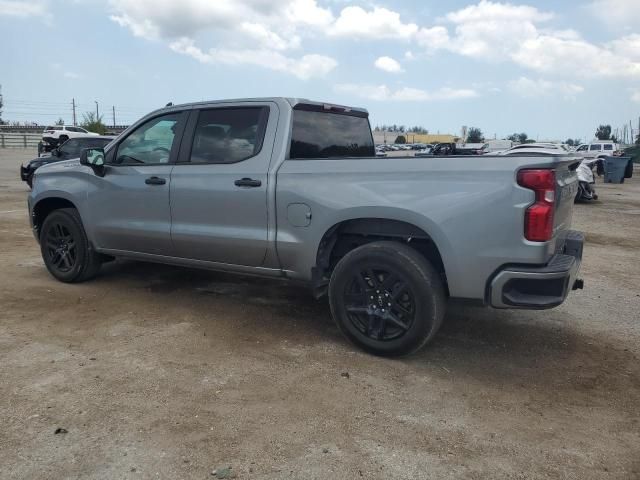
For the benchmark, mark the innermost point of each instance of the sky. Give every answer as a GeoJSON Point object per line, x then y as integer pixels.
{"type": "Point", "coordinates": [554, 70]}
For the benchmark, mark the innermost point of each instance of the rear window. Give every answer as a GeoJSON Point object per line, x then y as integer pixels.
{"type": "Point", "coordinates": [608, 146]}
{"type": "Point", "coordinates": [321, 134]}
{"type": "Point", "coordinates": [594, 147]}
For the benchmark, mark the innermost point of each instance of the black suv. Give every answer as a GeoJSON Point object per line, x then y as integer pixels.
{"type": "Point", "coordinates": [68, 150]}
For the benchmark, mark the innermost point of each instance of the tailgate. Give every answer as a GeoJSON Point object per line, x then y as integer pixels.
{"type": "Point", "coordinates": [566, 189]}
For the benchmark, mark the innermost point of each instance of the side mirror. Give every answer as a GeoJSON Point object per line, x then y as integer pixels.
{"type": "Point", "coordinates": [94, 158]}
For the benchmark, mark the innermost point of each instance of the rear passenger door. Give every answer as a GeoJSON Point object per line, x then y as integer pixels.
{"type": "Point", "coordinates": [219, 185]}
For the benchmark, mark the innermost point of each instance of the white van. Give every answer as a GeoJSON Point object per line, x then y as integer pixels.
{"type": "Point", "coordinates": [497, 145]}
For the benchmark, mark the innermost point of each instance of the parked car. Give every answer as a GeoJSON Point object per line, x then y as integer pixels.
{"type": "Point", "coordinates": [291, 189]}
{"type": "Point", "coordinates": [598, 149]}
{"type": "Point", "coordinates": [69, 149]}
{"type": "Point", "coordinates": [441, 149]}
{"type": "Point", "coordinates": [537, 149]}
{"type": "Point", "coordinates": [58, 134]}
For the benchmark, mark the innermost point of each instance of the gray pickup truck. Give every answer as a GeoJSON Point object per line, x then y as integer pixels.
{"type": "Point", "coordinates": [290, 188]}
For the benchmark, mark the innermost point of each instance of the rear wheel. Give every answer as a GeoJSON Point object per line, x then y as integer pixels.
{"type": "Point", "coordinates": [65, 248]}
{"type": "Point", "coordinates": [387, 298]}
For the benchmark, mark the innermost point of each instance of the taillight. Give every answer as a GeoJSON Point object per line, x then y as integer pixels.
{"type": "Point", "coordinates": [538, 218]}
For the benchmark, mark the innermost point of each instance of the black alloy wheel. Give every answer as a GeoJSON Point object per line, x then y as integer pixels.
{"type": "Point", "coordinates": [387, 298]}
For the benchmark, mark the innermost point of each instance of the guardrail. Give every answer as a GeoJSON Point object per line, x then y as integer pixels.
{"type": "Point", "coordinates": [19, 140]}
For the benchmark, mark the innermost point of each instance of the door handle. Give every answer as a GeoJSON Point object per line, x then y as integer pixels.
{"type": "Point", "coordinates": [247, 182]}
{"type": "Point", "coordinates": [155, 181]}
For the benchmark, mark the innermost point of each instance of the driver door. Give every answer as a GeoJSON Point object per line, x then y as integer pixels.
{"type": "Point", "coordinates": [130, 203]}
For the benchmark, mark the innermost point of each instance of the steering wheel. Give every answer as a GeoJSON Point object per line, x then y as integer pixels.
{"type": "Point", "coordinates": [158, 149]}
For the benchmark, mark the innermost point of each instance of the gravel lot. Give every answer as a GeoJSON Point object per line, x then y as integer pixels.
{"type": "Point", "coordinates": [161, 372]}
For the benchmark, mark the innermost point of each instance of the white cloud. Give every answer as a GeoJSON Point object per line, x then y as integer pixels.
{"type": "Point", "coordinates": [493, 30]}
{"type": "Point", "coordinates": [19, 8]}
{"type": "Point", "coordinates": [627, 46]}
{"type": "Point", "coordinates": [307, 12]}
{"type": "Point", "coordinates": [71, 75]}
{"type": "Point", "coordinates": [635, 96]}
{"type": "Point", "coordinates": [529, 88]}
{"type": "Point", "coordinates": [388, 64]}
{"type": "Point", "coordinates": [503, 32]}
{"type": "Point", "coordinates": [304, 67]}
{"type": "Point", "coordinates": [433, 38]}
{"type": "Point", "coordinates": [252, 32]}
{"type": "Point", "coordinates": [550, 54]}
{"type": "Point", "coordinates": [616, 13]}
{"type": "Point", "coordinates": [22, 9]}
{"type": "Point", "coordinates": [379, 23]}
{"type": "Point", "coordinates": [404, 94]}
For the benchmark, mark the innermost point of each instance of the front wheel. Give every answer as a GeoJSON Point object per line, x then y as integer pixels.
{"type": "Point", "coordinates": [387, 298]}
{"type": "Point", "coordinates": [65, 247]}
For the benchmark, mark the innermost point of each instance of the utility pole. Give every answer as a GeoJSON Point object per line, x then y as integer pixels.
{"type": "Point", "coordinates": [97, 111]}
{"type": "Point", "coordinates": [73, 106]}
{"type": "Point", "coordinates": [113, 110]}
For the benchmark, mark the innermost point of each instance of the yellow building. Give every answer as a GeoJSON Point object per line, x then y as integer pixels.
{"type": "Point", "coordinates": [381, 138]}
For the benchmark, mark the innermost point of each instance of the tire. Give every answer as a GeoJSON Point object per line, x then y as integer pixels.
{"type": "Point", "coordinates": [369, 279]}
{"type": "Point", "coordinates": [65, 247]}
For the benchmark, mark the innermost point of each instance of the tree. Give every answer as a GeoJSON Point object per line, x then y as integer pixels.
{"type": "Point", "coordinates": [475, 135]}
{"type": "Point", "coordinates": [60, 121]}
{"type": "Point", "coordinates": [93, 123]}
{"type": "Point", "coordinates": [400, 139]}
{"type": "Point", "coordinates": [614, 139]}
{"type": "Point", "coordinates": [603, 132]}
{"type": "Point", "coordinates": [518, 137]}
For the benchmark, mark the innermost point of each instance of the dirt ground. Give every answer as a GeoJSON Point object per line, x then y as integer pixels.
{"type": "Point", "coordinates": [162, 372]}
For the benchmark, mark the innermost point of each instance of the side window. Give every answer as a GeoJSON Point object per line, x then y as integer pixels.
{"type": "Point", "coordinates": [75, 129]}
{"type": "Point", "coordinates": [150, 143]}
{"type": "Point", "coordinates": [71, 148]}
{"type": "Point", "coordinates": [581, 148]}
{"type": "Point", "coordinates": [608, 146]}
{"type": "Point", "coordinates": [228, 135]}
{"type": "Point", "coordinates": [594, 147]}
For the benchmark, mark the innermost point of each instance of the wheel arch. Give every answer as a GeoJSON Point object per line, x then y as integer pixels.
{"type": "Point", "coordinates": [350, 233]}
{"type": "Point", "coordinates": [46, 206]}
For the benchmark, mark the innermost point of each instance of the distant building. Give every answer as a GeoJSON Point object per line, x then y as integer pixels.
{"type": "Point", "coordinates": [380, 138]}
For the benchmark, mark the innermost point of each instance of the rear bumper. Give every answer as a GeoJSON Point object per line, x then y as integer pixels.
{"type": "Point", "coordinates": [539, 287]}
